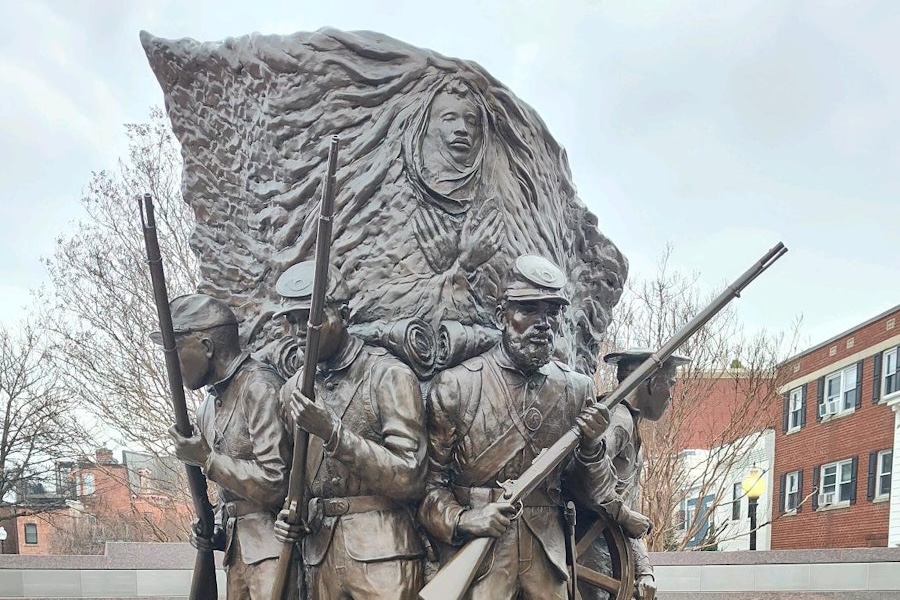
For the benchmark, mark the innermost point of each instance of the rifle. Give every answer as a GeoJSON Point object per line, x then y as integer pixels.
{"type": "Point", "coordinates": [453, 580]}
{"type": "Point", "coordinates": [294, 504]}
{"type": "Point", "coordinates": [203, 583]}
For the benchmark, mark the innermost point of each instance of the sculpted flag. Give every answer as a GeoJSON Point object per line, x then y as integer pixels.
{"type": "Point", "coordinates": [444, 178]}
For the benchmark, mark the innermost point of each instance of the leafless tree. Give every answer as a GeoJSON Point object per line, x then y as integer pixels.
{"type": "Point", "coordinates": [99, 307]}
{"type": "Point", "coordinates": [36, 415]}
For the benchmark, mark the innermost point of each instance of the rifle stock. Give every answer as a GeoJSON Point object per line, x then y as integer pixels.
{"type": "Point", "coordinates": [203, 582]}
{"type": "Point", "coordinates": [296, 507]}
{"type": "Point", "coordinates": [452, 581]}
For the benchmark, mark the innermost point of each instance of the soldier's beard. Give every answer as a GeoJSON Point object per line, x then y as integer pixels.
{"type": "Point", "coordinates": [529, 351]}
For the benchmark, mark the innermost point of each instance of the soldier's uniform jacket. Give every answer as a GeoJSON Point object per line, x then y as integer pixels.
{"type": "Point", "coordinates": [625, 463]}
{"type": "Point", "coordinates": [481, 401]}
{"type": "Point", "coordinates": [240, 419]}
{"type": "Point", "coordinates": [374, 471]}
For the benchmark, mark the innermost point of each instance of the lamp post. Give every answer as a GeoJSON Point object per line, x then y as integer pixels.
{"type": "Point", "coordinates": [754, 486]}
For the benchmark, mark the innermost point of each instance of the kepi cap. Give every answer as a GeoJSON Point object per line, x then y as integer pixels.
{"type": "Point", "coordinates": [296, 287]}
{"type": "Point", "coordinates": [197, 312]}
{"type": "Point", "coordinates": [534, 278]}
{"type": "Point", "coordinates": [639, 355]}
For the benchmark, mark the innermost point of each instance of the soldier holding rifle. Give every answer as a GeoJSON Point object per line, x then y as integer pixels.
{"type": "Point", "coordinates": [624, 459]}
{"type": "Point", "coordinates": [240, 442]}
{"type": "Point", "coordinates": [365, 464]}
{"type": "Point", "coordinates": [488, 419]}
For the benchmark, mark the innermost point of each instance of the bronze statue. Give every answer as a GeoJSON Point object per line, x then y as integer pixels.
{"type": "Point", "coordinates": [240, 441]}
{"type": "Point", "coordinates": [445, 178]}
{"type": "Point", "coordinates": [624, 458]}
{"type": "Point", "coordinates": [366, 457]}
{"type": "Point", "coordinates": [488, 418]}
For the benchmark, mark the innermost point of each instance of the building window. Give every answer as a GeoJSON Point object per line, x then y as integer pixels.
{"type": "Point", "coordinates": [698, 520]}
{"type": "Point", "coordinates": [836, 482]}
{"type": "Point", "coordinates": [890, 379]}
{"type": "Point", "coordinates": [736, 492]}
{"type": "Point", "coordinates": [840, 392]}
{"type": "Point", "coordinates": [791, 491]}
{"type": "Point", "coordinates": [87, 484]}
{"type": "Point", "coordinates": [31, 533]}
{"type": "Point", "coordinates": [883, 478]}
{"type": "Point", "coordinates": [795, 407]}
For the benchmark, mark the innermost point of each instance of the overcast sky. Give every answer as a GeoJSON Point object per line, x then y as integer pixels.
{"type": "Point", "coordinates": [718, 127]}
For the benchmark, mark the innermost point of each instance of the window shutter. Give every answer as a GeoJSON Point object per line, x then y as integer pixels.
{"type": "Point", "coordinates": [873, 470]}
{"type": "Point", "coordinates": [815, 496]}
{"type": "Point", "coordinates": [783, 494]}
{"type": "Point", "coordinates": [785, 411]}
{"type": "Point", "coordinates": [859, 379]}
{"type": "Point", "coordinates": [820, 397]}
{"type": "Point", "coordinates": [803, 406]}
{"type": "Point", "coordinates": [876, 379]}
{"type": "Point", "coordinates": [853, 465]}
{"type": "Point", "coordinates": [799, 490]}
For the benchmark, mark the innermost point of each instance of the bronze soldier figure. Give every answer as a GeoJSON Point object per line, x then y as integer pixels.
{"type": "Point", "coordinates": [366, 458]}
{"type": "Point", "coordinates": [240, 442]}
{"type": "Point", "coordinates": [488, 419]}
{"type": "Point", "coordinates": [622, 441]}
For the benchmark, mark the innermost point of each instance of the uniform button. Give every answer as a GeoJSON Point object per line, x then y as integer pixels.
{"type": "Point", "coordinates": [335, 481]}
{"type": "Point", "coordinates": [531, 385]}
{"type": "Point", "coordinates": [330, 385]}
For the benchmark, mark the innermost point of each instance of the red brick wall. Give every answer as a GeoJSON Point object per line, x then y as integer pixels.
{"type": "Point", "coordinates": [869, 429]}
{"type": "Point", "coordinates": [718, 408]}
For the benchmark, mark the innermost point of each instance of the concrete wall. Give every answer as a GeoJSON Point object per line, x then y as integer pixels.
{"type": "Point", "coordinates": [854, 573]}
{"type": "Point", "coordinates": [163, 571]}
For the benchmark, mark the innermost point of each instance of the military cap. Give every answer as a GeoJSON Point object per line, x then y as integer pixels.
{"type": "Point", "coordinates": [296, 287]}
{"type": "Point", "coordinates": [535, 278]}
{"type": "Point", "coordinates": [197, 312]}
{"type": "Point", "coordinates": [639, 355]}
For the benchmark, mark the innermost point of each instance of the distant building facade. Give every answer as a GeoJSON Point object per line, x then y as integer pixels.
{"type": "Point", "coordinates": [836, 446]}
{"type": "Point", "coordinates": [98, 500]}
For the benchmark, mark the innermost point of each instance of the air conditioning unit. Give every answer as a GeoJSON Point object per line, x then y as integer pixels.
{"type": "Point", "coordinates": [829, 407]}
{"type": "Point", "coordinates": [826, 499]}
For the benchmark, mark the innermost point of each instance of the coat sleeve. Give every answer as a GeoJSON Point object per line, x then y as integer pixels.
{"type": "Point", "coordinates": [593, 482]}
{"type": "Point", "coordinates": [396, 466]}
{"type": "Point", "coordinates": [439, 510]}
{"type": "Point", "coordinates": [263, 478]}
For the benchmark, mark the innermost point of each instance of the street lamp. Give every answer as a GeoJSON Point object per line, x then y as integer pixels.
{"type": "Point", "coordinates": [754, 486]}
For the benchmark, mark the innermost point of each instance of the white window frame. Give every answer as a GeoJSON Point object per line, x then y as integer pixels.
{"type": "Point", "coordinates": [837, 404]}
{"type": "Point", "coordinates": [882, 474]}
{"type": "Point", "coordinates": [842, 474]}
{"type": "Point", "coordinates": [795, 408]}
{"type": "Point", "coordinates": [31, 528]}
{"type": "Point", "coordinates": [791, 491]}
{"type": "Point", "coordinates": [890, 376]}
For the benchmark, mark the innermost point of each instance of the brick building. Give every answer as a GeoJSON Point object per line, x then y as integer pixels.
{"type": "Point", "coordinates": [99, 500]}
{"type": "Point", "coordinates": [834, 448]}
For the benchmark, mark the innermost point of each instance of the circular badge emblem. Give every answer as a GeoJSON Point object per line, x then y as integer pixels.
{"type": "Point", "coordinates": [533, 419]}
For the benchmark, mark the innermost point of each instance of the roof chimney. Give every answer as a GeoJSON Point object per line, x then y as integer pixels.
{"type": "Point", "coordinates": [104, 456]}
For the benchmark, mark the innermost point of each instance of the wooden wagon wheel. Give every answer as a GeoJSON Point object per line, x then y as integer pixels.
{"type": "Point", "coordinates": [620, 585]}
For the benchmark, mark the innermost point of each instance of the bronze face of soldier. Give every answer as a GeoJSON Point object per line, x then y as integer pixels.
{"type": "Point", "coordinates": [455, 120]}
{"type": "Point", "coordinates": [529, 331]}
{"type": "Point", "coordinates": [333, 330]}
{"type": "Point", "coordinates": [206, 338]}
{"type": "Point", "coordinates": [652, 398]}
{"type": "Point", "coordinates": [195, 353]}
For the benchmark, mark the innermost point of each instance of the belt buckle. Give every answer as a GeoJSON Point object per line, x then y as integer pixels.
{"type": "Point", "coordinates": [337, 506]}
